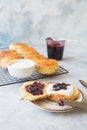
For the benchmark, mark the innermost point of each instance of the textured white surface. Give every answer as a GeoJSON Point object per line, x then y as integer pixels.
{"type": "Point", "coordinates": [32, 21]}
{"type": "Point", "coordinates": [21, 115]}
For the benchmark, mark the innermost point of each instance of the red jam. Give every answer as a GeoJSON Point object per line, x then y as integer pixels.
{"type": "Point", "coordinates": [61, 103]}
{"type": "Point", "coordinates": [35, 89]}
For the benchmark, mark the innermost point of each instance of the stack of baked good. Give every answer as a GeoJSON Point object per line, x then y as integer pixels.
{"type": "Point", "coordinates": [34, 90]}
{"type": "Point", "coordinates": [23, 50]}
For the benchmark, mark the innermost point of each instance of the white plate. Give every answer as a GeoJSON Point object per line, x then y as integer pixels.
{"type": "Point", "coordinates": [52, 106]}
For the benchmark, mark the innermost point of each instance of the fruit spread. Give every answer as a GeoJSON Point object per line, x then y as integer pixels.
{"type": "Point", "coordinates": [35, 89]}
{"type": "Point", "coordinates": [60, 88]}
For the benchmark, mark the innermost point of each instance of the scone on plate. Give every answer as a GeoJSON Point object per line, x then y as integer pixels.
{"type": "Point", "coordinates": [62, 91]}
{"type": "Point", "coordinates": [33, 90]}
{"type": "Point", "coordinates": [47, 66]}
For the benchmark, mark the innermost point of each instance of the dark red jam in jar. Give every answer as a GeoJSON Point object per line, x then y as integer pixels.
{"type": "Point", "coordinates": [35, 89]}
{"type": "Point", "coordinates": [55, 48]}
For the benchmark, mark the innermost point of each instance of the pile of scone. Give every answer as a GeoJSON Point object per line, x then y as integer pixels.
{"type": "Point", "coordinates": [23, 50]}
{"type": "Point", "coordinates": [36, 90]}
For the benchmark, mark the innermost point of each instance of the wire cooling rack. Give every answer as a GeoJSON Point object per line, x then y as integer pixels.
{"type": "Point", "coordinates": [6, 78]}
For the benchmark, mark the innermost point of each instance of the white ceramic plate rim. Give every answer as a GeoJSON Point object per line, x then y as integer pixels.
{"type": "Point", "coordinates": [68, 108]}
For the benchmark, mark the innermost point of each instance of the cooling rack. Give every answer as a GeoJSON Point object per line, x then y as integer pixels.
{"type": "Point", "coordinates": [6, 78]}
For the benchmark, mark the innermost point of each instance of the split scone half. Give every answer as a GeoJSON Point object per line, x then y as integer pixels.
{"type": "Point", "coordinates": [33, 90]}
{"type": "Point", "coordinates": [62, 91]}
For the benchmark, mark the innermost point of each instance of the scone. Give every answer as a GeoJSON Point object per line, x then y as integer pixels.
{"type": "Point", "coordinates": [33, 90]}
{"type": "Point", "coordinates": [62, 91]}
{"type": "Point", "coordinates": [27, 51]}
{"type": "Point", "coordinates": [16, 46]}
{"type": "Point", "coordinates": [47, 66]}
{"type": "Point", "coordinates": [35, 57]}
{"type": "Point", "coordinates": [5, 60]}
{"type": "Point", "coordinates": [4, 53]}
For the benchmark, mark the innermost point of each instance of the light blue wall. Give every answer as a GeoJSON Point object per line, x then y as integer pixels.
{"type": "Point", "coordinates": [32, 21]}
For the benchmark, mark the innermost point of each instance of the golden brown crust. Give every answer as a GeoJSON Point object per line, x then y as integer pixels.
{"type": "Point", "coordinates": [4, 53]}
{"type": "Point", "coordinates": [28, 96]}
{"type": "Point", "coordinates": [5, 60]}
{"type": "Point", "coordinates": [35, 57]}
{"type": "Point", "coordinates": [47, 66]}
{"type": "Point", "coordinates": [56, 97]}
{"type": "Point", "coordinates": [15, 46]}
{"type": "Point", "coordinates": [26, 51]}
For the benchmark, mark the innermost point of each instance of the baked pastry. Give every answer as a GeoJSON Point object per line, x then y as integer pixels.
{"type": "Point", "coordinates": [4, 53]}
{"type": "Point", "coordinates": [5, 60]}
{"type": "Point", "coordinates": [15, 46]}
{"type": "Point", "coordinates": [33, 90]}
{"type": "Point", "coordinates": [35, 57]}
{"type": "Point", "coordinates": [62, 91]}
{"type": "Point", "coordinates": [47, 66]}
{"type": "Point", "coordinates": [26, 51]}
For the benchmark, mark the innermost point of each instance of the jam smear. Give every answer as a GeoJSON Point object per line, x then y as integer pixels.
{"type": "Point", "coordinates": [59, 86]}
{"type": "Point", "coordinates": [60, 102]}
{"type": "Point", "coordinates": [36, 88]}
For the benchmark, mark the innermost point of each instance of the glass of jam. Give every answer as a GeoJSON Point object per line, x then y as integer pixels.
{"type": "Point", "coordinates": [55, 48]}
